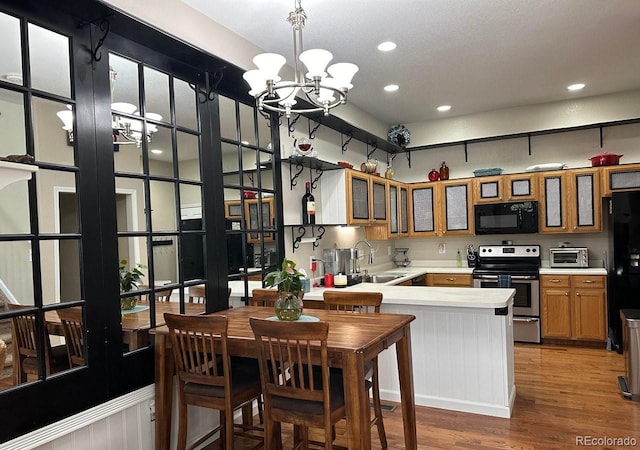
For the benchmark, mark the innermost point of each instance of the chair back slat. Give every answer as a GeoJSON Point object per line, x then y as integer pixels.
{"type": "Point", "coordinates": [197, 294]}
{"type": "Point", "coordinates": [352, 301]}
{"type": "Point", "coordinates": [200, 348]}
{"type": "Point", "coordinates": [72, 326]}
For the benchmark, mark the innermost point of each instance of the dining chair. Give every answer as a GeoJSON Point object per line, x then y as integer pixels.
{"type": "Point", "coordinates": [23, 332]}
{"type": "Point", "coordinates": [296, 384]}
{"type": "Point", "coordinates": [362, 302]}
{"type": "Point", "coordinates": [197, 294]}
{"type": "Point", "coordinates": [266, 297]}
{"type": "Point", "coordinates": [72, 325]}
{"type": "Point", "coordinates": [162, 295]}
{"type": "Point", "coordinates": [208, 377]}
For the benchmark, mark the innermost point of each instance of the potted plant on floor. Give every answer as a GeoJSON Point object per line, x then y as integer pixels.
{"type": "Point", "coordinates": [129, 280]}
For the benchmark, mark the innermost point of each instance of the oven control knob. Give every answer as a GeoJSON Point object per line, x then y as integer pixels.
{"type": "Point", "coordinates": [528, 250]}
{"type": "Point", "coordinates": [534, 250]}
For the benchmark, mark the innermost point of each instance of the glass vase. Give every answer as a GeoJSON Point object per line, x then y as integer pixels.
{"type": "Point", "coordinates": [288, 306]}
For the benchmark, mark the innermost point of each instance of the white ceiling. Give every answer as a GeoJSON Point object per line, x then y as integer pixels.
{"type": "Point", "coordinates": [475, 55]}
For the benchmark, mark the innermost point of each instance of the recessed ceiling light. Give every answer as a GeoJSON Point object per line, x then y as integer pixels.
{"type": "Point", "coordinates": [156, 151]}
{"type": "Point", "coordinates": [575, 87]}
{"type": "Point", "coordinates": [12, 77]}
{"type": "Point", "coordinates": [443, 108]}
{"type": "Point", "coordinates": [387, 46]}
{"type": "Point", "coordinates": [244, 142]}
{"type": "Point", "coordinates": [391, 87]}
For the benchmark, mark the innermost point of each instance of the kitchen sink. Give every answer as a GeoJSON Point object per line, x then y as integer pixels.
{"type": "Point", "coordinates": [384, 278]}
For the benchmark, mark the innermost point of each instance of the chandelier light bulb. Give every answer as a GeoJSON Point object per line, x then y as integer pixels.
{"type": "Point", "coordinates": [316, 61]}
{"type": "Point", "coordinates": [123, 107]}
{"type": "Point", "coordinates": [343, 73]}
{"type": "Point", "coordinates": [287, 95]}
{"type": "Point", "coordinates": [67, 119]}
{"type": "Point", "coordinates": [256, 81]}
{"type": "Point", "coordinates": [269, 64]}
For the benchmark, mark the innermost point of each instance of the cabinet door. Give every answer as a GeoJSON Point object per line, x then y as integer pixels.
{"type": "Point", "coordinates": [358, 198]}
{"type": "Point", "coordinates": [404, 211]}
{"type": "Point", "coordinates": [233, 209]}
{"type": "Point", "coordinates": [488, 189]}
{"type": "Point", "coordinates": [449, 280]}
{"type": "Point", "coordinates": [521, 187]}
{"type": "Point", "coordinates": [620, 178]}
{"type": "Point", "coordinates": [589, 313]}
{"type": "Point", "coordinates": [586, 213]}
{"type": "Point", "coordinates": [253, 217]}
{"type": "Point", "coordinates": [455, 205]}
{"type": "Point", "coordinates": [378, 199]}
{"type": "Point", "coordinates": [423, 219]}
{"type": "Point", "coordinates": [555, 316]}
{"type": "Point", "coordinates": [394, 210]}
{"type": "Point", "coordinates": [553, 210]}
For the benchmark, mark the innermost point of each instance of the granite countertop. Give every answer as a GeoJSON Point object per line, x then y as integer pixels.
{"type": "Point", "coordinates": [573, 271]}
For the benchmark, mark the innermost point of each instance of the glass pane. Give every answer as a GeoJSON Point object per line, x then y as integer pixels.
{"type": "Point", "coordinates": [161, 153]}
{"type": "Point", "coordinates": [228, 125]}
{"type": "Point", "coordinates": [404, 211]}
{"type": "Point", "coordinates": [16, 272]}
{"type": "Point", "coordinates": [393, 209]}
{"type": "Point", "coordinates": [236, 248]}
{"type": "Point", "coordinates": [127, 156]}
{"type": "Point", "coordinates": [553, 197]}
{"type": "Point", "coordinates": [264, 170]}
{"type": "Point", "coordinates": [124, 83]}
{"type": "Point", "coordinates": [165, 265]}
{"type": "Point", "coordinates": [456, 201]}
{"type": "Point", "coordinates": [521, 187]}
{"type": "Point", "coordinates": [489, 190]}
{"type": "Point", "coordinates": [584, 192]}
{"type": "Point", "coordinates": [230, 164]}
{"type": "Point", "coordinates": [71, 322]}
{"type": "Point", "coordinates": [130, 204]}
{"type": "Point", "coordinates": [14, 209]}
{"type": "Point", "coordinates": [12, 124]}
{"type": "Point", "coordinates": [57, 205]}
{"type": "Point", "coordinates": [423, 219]}
{"type": "Point", "coordinates": [163, 206]}
{"type": "Point", "coordinates": [156, 89]}
{"type": "Point", "coordinates": [60, 271]}
{"type": "Point", "coordinates": [249, 163]}
{"type": "Point", "coordinates": [186, 105]}
{"type": "Point", "coordinates": [44, 47]}
{"type": "Point", "coordinates": [49, 138]}
{"type": "Point", "coordinates": [247, 125]}
{"type": "Point", "coordinates": [10, 46]}
{"type": "Point", "coordinates": [264, 133]}
{"type": "Point", "coordinates": [192, 258]}
{"type": "Point", "coordinates": [190, 202]}
{"type": "Point", "coordinates": [132, 253]}
{"type": "Point", "coordinates": [188, 156]}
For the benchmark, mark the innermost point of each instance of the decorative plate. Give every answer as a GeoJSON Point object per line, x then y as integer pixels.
{"type": "Point", "coordinates": [303, 318]}
{"type": "Point", "coordinates": [546, 166]}
{"type": "Point", "coordinates": [487, 172]}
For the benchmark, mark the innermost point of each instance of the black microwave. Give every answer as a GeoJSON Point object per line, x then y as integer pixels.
{"type": "Point", "coordinates": [506, 218]}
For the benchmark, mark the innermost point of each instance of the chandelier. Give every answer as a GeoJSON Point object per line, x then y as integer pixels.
{"type": "Point", "coordinates": [323, 92]}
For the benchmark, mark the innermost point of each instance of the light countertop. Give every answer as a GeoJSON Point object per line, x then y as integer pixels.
{"type": "Point", "coordinates": [573, 271]}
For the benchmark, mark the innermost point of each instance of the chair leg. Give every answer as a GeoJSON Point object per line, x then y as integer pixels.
{"type": "Point", "coordinates": [377, 409]}
{"type": "Point", "coordinates": [228, 428]}
{"type": "Point", "coordinates": [182, 425]}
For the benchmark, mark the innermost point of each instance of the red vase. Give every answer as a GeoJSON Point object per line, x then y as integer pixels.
{"type": "Point", "coordinates": [434, 175]}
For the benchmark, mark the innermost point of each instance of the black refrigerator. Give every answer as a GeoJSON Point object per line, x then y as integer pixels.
{"type": "Point", "coordinates": [624, 261]}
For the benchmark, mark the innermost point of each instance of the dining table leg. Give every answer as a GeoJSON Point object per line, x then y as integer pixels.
{"type": "Point", "coordinates": [405, 375]}
{"type": "Point", "coordinates": [163, 391]}
{"type": "Point", "coordinates": [356, 402]}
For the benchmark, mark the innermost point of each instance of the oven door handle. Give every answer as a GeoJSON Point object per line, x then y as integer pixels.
{"type": "Point", "coordinates": [513, 277]}
{"type": "Point", "coordinates": [525, 319]}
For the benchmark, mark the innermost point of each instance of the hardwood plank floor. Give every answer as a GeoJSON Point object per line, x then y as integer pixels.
{"type": "Point", "coordinates": [562, 392]}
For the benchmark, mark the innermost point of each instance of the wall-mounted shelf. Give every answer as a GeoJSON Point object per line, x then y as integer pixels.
{"type": "Point", "coordinates": [317, 231]}
{"type": "Point", "coordinates": [11, 172]}
{"type": "Point", "coordinates": [299, 163]}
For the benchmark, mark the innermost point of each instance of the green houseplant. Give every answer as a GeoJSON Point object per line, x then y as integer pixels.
{"type": "Point", "coordinates": [289, 284]}
{"type": "Point", "coordinates": [129, 280]}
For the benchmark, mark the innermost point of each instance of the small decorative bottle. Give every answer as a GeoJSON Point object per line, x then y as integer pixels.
{"type": "Point", "coordinates": [444, 171]}
{"type": "Point", "coordinates": [389, 172]}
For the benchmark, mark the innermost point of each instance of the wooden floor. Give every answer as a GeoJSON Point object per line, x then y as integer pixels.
{"type": "Point", "coordinates": [562, 392]}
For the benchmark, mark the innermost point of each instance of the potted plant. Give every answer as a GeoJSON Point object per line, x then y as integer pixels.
{"type": "Point", "coordinates": [129, 280]}
{"type": "Point", "coordinates": [289, 284]}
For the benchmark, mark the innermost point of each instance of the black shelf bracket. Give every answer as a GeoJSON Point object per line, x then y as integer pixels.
{"type": "Point", "coordinates": [529, 142]}
{"type": "Point", "coordinates": [294, 176]}
{"type": "Point", "coordinates": [370, 153]}
{"type": "Point", "coordinates": [312, 133]}
{"type": "Point", "coordinates": [408, 153]}
{"type": "Point", "coordinates": [105, 26]}
{"type": "Point", "coordinates": [601, 138]}
{"type": "Point", "coordinates": [344, 144]}
{"type": "Point", "coordinates": [319, 172]}
{"type": "Point", "coordinates": [466, 155]}
{"type": "Point", "coordinates": [292, 124]}
{"type": "Point", "coordinates": [321, 231]}
{"type": "Point", "coordinates": [297, 239]}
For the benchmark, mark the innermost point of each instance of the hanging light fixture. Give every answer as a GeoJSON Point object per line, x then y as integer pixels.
{"type": "Point", "coordinates": [322, 91]}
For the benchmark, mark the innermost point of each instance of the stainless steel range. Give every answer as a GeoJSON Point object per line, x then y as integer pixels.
{"type": "Point", "coordinates": [518, 267]}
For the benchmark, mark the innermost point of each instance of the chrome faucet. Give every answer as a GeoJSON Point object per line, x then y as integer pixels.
{"type": "Point", "coordinates": [370, 262]}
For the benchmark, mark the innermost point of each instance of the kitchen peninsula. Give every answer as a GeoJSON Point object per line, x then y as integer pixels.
{"type": "Point", "coordinates": [462, 342]}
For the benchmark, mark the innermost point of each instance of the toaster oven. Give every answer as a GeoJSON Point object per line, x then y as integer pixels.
{"type": "Point", "coordinates": [569, 257]}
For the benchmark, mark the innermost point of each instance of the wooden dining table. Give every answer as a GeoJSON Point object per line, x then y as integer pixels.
{"type": "Point", "coordinates": [353, 340]}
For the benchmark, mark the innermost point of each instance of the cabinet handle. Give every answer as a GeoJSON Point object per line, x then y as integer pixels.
{"type": "Point", "coordinates": [577, 294]}
{"type": "Point", "coordinates": [588, 281]}
{"type": "Point", "coordinates": [451, 279]}
{"type": "Point", "coordinates": [566, 293]}
{"type": "Point", "coordinates": [555, 280]}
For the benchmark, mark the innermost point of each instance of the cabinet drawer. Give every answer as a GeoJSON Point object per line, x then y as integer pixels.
{"type": "Point", "coordinates": [449, 279]}
{"type": "Point", "coordinates": [555, 281]}
{"type": "Point", "coordinates": [587, 282]}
